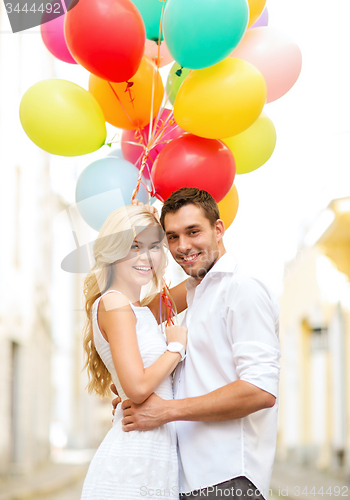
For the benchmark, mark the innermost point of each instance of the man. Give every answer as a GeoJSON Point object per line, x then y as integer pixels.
{"type": "Point", "coordinates": [226, 388]}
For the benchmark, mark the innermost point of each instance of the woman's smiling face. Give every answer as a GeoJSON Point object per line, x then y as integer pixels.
{"type": "Point", "coordinates": [143, 259]}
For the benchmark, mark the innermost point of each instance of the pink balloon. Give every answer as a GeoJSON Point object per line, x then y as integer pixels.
{"type": "Point", "coordinates": [276, 56]}
{"type": "Point", "coordinates": [132, 142]}
{"type": "Point", "coordinates": [53, 38]}
{"type": "Point", "coordinates": [263, 19]}
{"type": "Point", "coordinates": [151, 51]}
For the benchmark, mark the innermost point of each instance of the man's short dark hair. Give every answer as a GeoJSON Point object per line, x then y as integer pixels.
{"type": "Point", "coordinates": [191, 196]}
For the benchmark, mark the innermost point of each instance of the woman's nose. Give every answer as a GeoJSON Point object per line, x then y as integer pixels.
{"type": "Point", "coordinates": [145, 256]}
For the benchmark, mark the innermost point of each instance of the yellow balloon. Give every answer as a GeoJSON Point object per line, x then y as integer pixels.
{"type": "Point", "coordinates": [228, 207]}
{"type": "Point", "coordinates": [62, 118]}
{"type": "Point", "coordinates": [255, 10]}
{"type": "Point", "coordinates": [222, 100]}
{"type": "Point", "coordinates": [253, 147]}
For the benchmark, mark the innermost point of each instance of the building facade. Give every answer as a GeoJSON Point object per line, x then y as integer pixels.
{"type": "Point", "coordinates": [43, 401]}
{"type": "Point", "coordinates": [315, 339]}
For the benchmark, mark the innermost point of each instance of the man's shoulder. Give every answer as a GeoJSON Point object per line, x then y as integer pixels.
{"type": "Point", "coordinates": [247, 286]}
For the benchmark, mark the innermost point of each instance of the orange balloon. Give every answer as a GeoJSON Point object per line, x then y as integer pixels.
{"type": "Point", "coordinates": [255, 10]}
{"type": "Point", "coordinates": [128, 104]}
{"type": "Point", "coordinates": [228, 207]}
{"type": "Point", "coordinates": [151, 51]}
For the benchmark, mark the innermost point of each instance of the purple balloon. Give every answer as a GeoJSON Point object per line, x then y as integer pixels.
{"type": "Point", "coordinates": [263, 19]}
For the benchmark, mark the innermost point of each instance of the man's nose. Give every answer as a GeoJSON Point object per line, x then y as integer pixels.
{"type": "Point", "coordinates": [184, 244]}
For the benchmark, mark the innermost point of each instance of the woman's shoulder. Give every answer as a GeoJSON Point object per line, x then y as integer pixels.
{"type": "Point", "coordinates": [113, 300]}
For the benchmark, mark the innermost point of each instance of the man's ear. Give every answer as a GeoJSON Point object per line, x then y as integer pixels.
{"type": "Point", "coordinates": [220, 229]}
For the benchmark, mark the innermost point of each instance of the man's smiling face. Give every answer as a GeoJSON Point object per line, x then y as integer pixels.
{"type": "Point", "coordinates": [192, 241]}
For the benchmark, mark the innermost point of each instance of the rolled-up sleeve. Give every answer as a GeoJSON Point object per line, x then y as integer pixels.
{"type": "Point", "coordinates": [253, 330]}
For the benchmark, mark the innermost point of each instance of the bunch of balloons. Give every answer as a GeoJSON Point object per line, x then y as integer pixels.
{"type": "Point", "coordinates": [205, 126]}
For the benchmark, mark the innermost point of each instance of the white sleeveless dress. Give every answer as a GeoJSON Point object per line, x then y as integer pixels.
{"type": "Point", "coordinates": [136, 464]}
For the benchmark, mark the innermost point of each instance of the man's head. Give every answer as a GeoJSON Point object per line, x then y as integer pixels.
{"type": "Point", "coordinates": [191, 220]}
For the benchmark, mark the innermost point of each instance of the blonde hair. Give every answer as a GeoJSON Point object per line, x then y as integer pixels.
{"type": "Point", "coordinates": [113, 243]}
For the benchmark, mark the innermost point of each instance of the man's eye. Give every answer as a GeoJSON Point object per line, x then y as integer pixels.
{"type": "Point", "coordinates": [193, 232]}
{"type": "Point", "coordinates": [172, 237]}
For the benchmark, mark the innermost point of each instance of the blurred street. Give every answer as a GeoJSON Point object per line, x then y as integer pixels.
{"type": "Point", "coordinates": [65, 482]}
{"type": "Point", "coordinates": [72, 492]}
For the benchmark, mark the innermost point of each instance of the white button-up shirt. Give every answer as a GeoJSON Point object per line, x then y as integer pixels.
{"type": "Point", "coordinates": [232, 322]}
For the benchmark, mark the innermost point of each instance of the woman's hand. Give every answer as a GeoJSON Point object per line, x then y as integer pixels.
{"type": "Point", "coordinates": [117, 400]}
{"type": "Point", "coordinates": [176, 334]}
{"type": "Point", "coordinates": [152, 210]}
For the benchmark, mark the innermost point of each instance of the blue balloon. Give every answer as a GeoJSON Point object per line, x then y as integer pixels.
{"type": "Point", "coordinates": [117, 152]}
{"type": "Point", "coordinates": [104, 186]}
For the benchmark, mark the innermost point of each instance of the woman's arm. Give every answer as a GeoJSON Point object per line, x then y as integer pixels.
{"type": "Point", "coordinates": [117, 321]}
{"type": "Point", "coordinates": [178, 294]}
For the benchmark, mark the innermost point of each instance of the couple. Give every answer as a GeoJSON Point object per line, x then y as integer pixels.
{"type": "Point", "coordinates": [226, 387]}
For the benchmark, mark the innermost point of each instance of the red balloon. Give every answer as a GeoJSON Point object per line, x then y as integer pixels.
{"type": "Point", "coordinates": [133, 141]}
{"type": "Point", "coordinates": [192, 161]}
{"type": "Point", "coordinates": [107, 37]}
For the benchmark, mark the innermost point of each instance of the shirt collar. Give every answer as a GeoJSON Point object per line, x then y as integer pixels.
{"type": "Point", "coordinates": [226, 264]}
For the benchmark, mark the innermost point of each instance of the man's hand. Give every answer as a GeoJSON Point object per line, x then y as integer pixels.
{"type": "Point", "coordinates": [117, 400]}
{"type": "Point", "coordinates": [151, 414]}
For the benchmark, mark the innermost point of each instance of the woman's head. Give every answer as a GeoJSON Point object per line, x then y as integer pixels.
{"type": "Point", "coordinates": [130, 247]}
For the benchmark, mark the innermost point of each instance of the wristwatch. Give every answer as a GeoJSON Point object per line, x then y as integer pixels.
{"type": "Point", "coordinates": [177, 347]}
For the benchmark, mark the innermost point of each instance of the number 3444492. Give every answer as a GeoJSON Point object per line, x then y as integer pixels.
{"type": "Point", "coordinates": [54, 8]}
{"type": "Point", "coordinates": [336, 491]}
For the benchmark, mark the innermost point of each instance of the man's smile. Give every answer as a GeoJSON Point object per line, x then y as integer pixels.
{"type": "Point", "coordinates": [189, 259]}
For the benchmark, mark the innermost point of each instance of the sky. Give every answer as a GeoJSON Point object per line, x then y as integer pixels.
{"type": "Point", "coordinates": [310, 164]}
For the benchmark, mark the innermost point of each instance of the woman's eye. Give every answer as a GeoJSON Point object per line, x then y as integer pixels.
{"type": "Point", "coordinates": [155, 247]}
{"type": "Point", "coordinates": [134, 247]}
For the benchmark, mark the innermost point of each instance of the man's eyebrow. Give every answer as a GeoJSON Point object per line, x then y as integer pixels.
{"type": "Point", "coordinates": [186, 229]}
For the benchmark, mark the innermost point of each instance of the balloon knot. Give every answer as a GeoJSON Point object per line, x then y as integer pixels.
{"type": "Point", "coordinates": [179, 71]}
{"type": "Point", "coordinates": [128, 89]}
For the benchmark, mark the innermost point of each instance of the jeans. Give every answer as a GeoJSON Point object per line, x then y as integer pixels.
{"type": "Point", "coordinates": [239, 488]}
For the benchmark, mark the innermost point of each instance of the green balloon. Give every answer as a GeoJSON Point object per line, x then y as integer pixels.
{"type": "Point", "coordinates": [176, 77]}
{"type": "Point", "coordinates": [151, 12]}
{"type": "Point", "coordinates": [201, 33]}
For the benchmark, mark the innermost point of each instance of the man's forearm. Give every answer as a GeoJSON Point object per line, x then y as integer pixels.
{"type": "Point", "coordinates": [235, 400]}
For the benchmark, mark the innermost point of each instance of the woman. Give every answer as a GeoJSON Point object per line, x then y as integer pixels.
{"type": "Point", "coordinates": [124, 345]}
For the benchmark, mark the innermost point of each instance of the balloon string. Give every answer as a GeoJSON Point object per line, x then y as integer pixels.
{"type": "Point", "coordinates": [120, 102]}
{"type": "Point", "coordinates": [152, 126]}
{"type": "Point", "coordinates": [160, 34]}
{"type": "Point", "coordinates": [144, 160]}
{"type": "Point", "coordinates": [159, 42]}
{"type": "Point", "coordinates": [128, 89]}
{"type": "Point", "coordinates": [168, 305]}
{"type": "Point", "coordinates": [159, 134]}
{"type": "Point", "coordinates": [152, 103]}
{"type": "Point", "coordinates": [150, 145]}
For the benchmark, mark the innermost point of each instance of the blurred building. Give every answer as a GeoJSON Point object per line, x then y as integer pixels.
{"type": "Point", "coordinates": [315, 340]}
{"type": "Point", "coordinates": [43, 401]}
